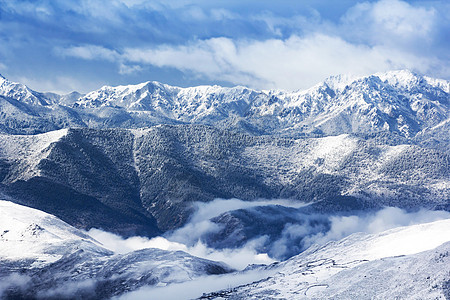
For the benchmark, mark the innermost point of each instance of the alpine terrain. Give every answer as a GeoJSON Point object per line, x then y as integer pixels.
{"type": "Point", "coordinates": [339, 191]}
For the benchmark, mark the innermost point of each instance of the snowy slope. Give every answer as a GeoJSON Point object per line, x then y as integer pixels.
{"type": "Point", "coordinates": [26, 151]}
{"type": "Point", "coordinates": [403, 263]}
{"type": "Point", "coordinates": [42, 256]}
{"type": "Point", "coordinates": [27, 233]}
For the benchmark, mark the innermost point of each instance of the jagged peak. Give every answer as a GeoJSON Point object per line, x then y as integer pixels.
{"type": "Point", "coordinates": [202, 89]}
{"type": "Point", "coordinates": [132, 87]}
{"type": "Point", "coordinates": [339, 82]}
{"type": "Point", "coordinates": [408, 78]}
{"type": "Point", "coordinates": [399, 77]}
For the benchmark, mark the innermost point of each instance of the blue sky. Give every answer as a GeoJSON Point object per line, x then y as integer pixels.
{"type": "Point", "coordinates": [66, 45]}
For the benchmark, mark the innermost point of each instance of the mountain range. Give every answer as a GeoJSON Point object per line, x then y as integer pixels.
{"type": "Point", "coordinates": [146, 159]}
{"type": "Point", "coordinates": [399, 101]}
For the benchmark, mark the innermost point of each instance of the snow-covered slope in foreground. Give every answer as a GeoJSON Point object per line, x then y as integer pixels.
{"type": "Point", "coordinates": [44, 257]}
{"type": "Point", "coordinates": [410, 262]}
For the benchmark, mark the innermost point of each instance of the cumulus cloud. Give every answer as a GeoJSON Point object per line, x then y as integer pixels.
{"type": "Point", "coordinates": [391, 22]}
{"type": "Point", "coordinates": [293, 63]}
{"type": "Point", "coordinates": [261, 45]}
{"type": "Point", "coordinates": [371, 37]}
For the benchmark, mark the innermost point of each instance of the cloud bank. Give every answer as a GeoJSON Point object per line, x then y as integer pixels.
{"type": "Point", "coordinates": [201, 233]}
{"type": "Point", "coordinates": [259, 44]}
{"type": "Point", "coordinates": [304, 233]}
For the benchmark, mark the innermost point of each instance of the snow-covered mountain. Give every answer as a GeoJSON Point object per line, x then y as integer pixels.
{"type": "Point", "coordinates": [146, 180]}
{"type": "Point", "coordinates": [141, 159]}
{"type": "Point", "coordinates": [410, 262]}
{"type": "Point", "coordinates": [397, 101]}
{"type": "Point", "coordinates": [24, 111]}
{"type": "Point", "coordinates": [43, 257]}
{"type": "Point", "coordinates": [22, 93]}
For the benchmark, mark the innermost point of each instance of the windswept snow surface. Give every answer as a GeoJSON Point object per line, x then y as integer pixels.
{"type": "Point", "coordinates": [27, 233]}
{"type": "Point", "coordinates": [28, 150]}
{"type": "Point", "coordinates": [411, 262]}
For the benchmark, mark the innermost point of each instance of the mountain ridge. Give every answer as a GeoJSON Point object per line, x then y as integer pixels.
{"type": "Point", "coordinates": [146, 180]}
{"type": "Point", "coordinates": [395, 101]}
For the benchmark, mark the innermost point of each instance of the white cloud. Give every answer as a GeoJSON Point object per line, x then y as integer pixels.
{"type": "Point", "coordinates": [58, 84]}
{"type": "Point", "coordinates": [188, 238]}
{"type": "Point", "coordinates": [390, 22]}
{"type": "Point", "coordinates": [195, 288]}
{"type": "Point", "coordinates": [12, 282]}
{"type": "Point", "coordinates": [371, 37]}
{"type": "Point", "coordinates": [129, 69]}
{"type": "Point", "coordinates": [89, 52]}
{"type": "Point", "coordinates": [237, 258]}
{"type": "Point", "coordinates": [220, 14]}
{"type": "Point", "coordinates": [297, 62]}
{"type": "Point", "coordinates": [387, 218]}
{"type": "Point", "coordinates": [120, 245]}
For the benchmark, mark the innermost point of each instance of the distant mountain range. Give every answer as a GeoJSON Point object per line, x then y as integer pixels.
{"type": "Point", "coordinates": [398, 101]}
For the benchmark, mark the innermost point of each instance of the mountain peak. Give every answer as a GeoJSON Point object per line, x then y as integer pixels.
{"type": "Point", "coordinates": [338, 82]}
{"type": "Point", "coordinates": [400, 77]}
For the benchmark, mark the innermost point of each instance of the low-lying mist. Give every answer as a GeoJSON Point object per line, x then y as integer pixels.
{"type": "Point", "coordinates": [240, 233]}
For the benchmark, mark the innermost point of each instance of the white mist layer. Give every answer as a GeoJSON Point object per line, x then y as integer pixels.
{"type": "Point", "coordinates": [195, 288]}
{"type": "Point", "coordinates": [387, 218]}
{"type": "Point", "coordinates": [189, 237]}
{"type": "Point", "coordinates": [235, 258]}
